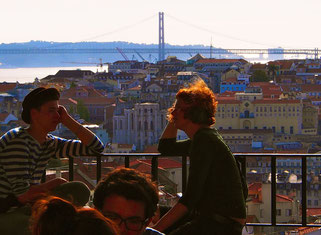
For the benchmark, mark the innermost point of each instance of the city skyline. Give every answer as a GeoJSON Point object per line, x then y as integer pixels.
{"type": "Point", "coordinates": [232, 24]}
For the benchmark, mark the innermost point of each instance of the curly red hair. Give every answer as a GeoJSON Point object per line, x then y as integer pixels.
{"type": "Point", "coordinates": [201, 103]}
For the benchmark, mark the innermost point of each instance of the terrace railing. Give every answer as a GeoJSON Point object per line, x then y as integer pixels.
{"type": "Point", "coordinates": [242, 158]}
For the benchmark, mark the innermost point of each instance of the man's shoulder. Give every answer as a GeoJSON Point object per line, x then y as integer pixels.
{"type": "Point", "coordinates": [18, 132]}
{"type": "Point", "coordinates": [150, 231]}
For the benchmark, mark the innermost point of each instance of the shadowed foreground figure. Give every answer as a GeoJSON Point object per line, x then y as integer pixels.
{"type": "Point", "coordinates": [129, 198]}
{"type": "Point", "coordinates": [215, 193]}
{"type": "Point", "coordinates": [55, 216]}
{"type": "Point", "coordinates": [24, 155]}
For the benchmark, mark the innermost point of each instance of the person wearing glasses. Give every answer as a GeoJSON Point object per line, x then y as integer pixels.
{"type": "Point", "coordinates": [129, 198]}
{"type": "Point", "coordinates": [215, 193]}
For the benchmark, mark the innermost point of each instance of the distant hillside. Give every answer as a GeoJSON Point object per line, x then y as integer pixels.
{"type": "Point", "coordinates": [64, 60]}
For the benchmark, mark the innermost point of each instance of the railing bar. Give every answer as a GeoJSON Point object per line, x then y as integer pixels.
{"type": "Point", "coordinates": [98, 170]}
{"type": "Point", "coordinates": [273, 191]}
{"type": "Point", "coordinates": [155, 169]}
{"type": "Point", "coordinates": [71, 169]}
{"type": "Point", "coordinates": [243, 158]}
{"type": "Point", "coordinates": [304, 191]}
{"type": "Point", "coordinates": [127, 161]}
{"type": "Point", "coordinates": [285, 225]}
{"type": "Point", "coordinates": [184, 173]}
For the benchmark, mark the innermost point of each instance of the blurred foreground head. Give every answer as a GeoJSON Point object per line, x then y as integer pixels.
{"type": "Point", "coordinates": [53, 216]}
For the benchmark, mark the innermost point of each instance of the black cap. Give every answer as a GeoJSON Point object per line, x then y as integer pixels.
{"type": "Point", "coordinates": [35, 99]}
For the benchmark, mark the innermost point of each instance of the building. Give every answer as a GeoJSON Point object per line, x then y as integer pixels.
{"type": "Point", "coordinates": [141, 125]}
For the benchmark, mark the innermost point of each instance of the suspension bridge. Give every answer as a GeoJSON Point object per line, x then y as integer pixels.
{"type": "Point", "coordinates": [161, 50]}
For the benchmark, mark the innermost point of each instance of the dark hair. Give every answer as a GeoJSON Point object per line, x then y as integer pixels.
{"type": "Point", "coordinates": [54, 216]}
{"type": "Point", "coordinates": [132, 185]}
{"type": "Point", "coordinates": [35, 99]}
{"type": "Point", "coordinates": [201, 103]}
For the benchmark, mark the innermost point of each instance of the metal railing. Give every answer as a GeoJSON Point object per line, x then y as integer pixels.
{"type": "Point", "coordinates": [242, 158]}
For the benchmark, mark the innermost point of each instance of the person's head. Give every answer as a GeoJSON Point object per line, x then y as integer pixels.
{"type": "Point", "coordinates": [195, 103]}
{"type": "Point", "coordinates": [129, 198]}
{"type": "Point", "coordinates": [54, 216]}
{"type": "Point", "coordinates": [40, 107]}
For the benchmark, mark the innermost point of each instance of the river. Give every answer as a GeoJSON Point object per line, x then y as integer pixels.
{"type": "Point", "coordinates": [26, 75]}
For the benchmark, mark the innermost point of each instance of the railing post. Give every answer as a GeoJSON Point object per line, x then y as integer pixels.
{"type": "Point", "coordinates": [155, 169]}
{"type": "Point", "coordinates": [71, 169]}
{"type": "Point", "coordinates": [304, 190]}
{"type": "Point", "coordinates": [98, 170]}
{"type": "Point", "coordinates": [184, 173]}
{"type": "Point", "coordinates": [127, 162]}
{"type": "Point", "coordinates": [273, 190]}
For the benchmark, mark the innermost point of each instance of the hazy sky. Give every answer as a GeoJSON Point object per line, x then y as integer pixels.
{"type": "Point", "coordinates": [228, 23]}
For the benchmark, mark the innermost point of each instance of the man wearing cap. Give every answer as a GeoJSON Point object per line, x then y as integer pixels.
{"type": "Point", "coordinates": [25, 152]}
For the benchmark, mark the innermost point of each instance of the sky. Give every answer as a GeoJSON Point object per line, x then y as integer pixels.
{"type": "Point", "coordinates": [224, 23]}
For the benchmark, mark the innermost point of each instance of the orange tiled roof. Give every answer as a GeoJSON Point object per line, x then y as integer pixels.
{"type": "Point", "coordinates": [98, 100]}
{"type": "Point", "coordinates": [310, 87]}
{"type": "Point", "coordinates": [258, 66]}
{"type": "Point", "coordinates": [313, 211]}
{"type": "Point", "coordinates": [165, 163]}
{"type": "Point", "coordinates": [283, 198]}
{"type": "Point", "coordinates": [5, 87]}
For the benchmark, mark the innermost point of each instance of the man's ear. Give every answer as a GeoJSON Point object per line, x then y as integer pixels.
{"type": "Point", "coordinates": [33, 113]}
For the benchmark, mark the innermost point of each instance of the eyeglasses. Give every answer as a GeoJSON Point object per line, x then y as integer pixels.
{"type": "Point", "coordinates": [131, 223]}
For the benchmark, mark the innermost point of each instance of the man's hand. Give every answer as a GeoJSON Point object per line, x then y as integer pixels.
{"type": "Point", "coordinates": [36, 191]}
{"type": "Point", "coordinates": [64, 116]}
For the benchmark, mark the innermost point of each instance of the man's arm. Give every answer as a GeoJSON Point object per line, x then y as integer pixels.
{"type": "Point", "coordinates": [35, 191]}
{"type": "Point", "coordinates": [172, 216]}
{"type": "Point", "coordinates": [83, 133]}
{"type": "Point", "coordinates": [170, 131]}
{"type": "Point", "coordinates": [169, 146]}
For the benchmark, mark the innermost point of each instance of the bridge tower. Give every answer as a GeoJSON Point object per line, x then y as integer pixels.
{"type": "Point", "coordinates": [161, 40]}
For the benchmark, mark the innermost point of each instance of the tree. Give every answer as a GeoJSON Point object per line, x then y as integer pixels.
{"type": "Point", "coordinates": [82, 110]}
{"type": "Point", "coordinates": [73, 84]}
{"type": "Point", "coordinates": [272, 68]}
{"type": "Point", "coordinates": [259, 76]}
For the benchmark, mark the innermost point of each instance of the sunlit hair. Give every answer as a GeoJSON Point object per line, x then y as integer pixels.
{"type": "Point", "coordinates": [53, 215]}
{"type": "Point", "coordinates": [130, 184]}
{"type": "Point", "coordinates": [201, 103]}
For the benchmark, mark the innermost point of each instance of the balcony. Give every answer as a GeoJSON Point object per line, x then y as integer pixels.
{"type": "Point", "coordinates": [274, 212]}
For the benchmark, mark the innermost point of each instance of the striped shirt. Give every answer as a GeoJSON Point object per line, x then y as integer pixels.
{"type": "Point", "coordinates": [23, 160]}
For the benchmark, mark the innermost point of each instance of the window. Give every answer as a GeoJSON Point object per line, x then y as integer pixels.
{"type": "Point", "coordinates": [278, 212]}
{"type": "Point", "coordinates": [291, 129]}
{"type": "Point", "coordinates": [316, 202]}
{"type": "Point", "coordinates": [288, 212]}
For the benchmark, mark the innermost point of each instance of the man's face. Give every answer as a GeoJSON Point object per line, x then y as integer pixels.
{"type": "Point", "coordinates": [47, 117]}
{"type": "Point", "coordinates": [128, 214]}
{"type": "Point", "coordinates": [178, 115]}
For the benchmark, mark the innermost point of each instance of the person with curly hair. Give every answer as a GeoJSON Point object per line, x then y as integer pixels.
{"type": "Point", "coordinates": [214, 197]}
{"type": "Point", "coordinates": [129, 198]}
{"type": "Point", "coordinates": [53, 216]}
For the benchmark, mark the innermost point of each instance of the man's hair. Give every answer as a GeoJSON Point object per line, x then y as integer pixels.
{"type": "Point", "coordinates": [130, 184]}
{"type": "Point", "coordinates": [201, 103]}
{"type": "Point", "coordinates": [35, 99]}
